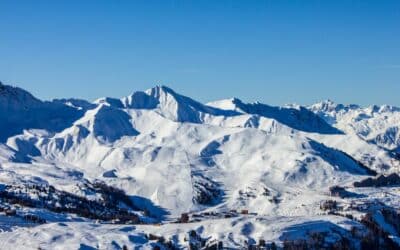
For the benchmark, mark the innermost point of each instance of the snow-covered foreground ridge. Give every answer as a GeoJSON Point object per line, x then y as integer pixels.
{"type": "Point", "coordinates": [108, 173]}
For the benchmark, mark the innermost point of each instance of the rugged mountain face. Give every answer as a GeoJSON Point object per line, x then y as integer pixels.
{"type": "Point", "coordinates": [20, 110]}
{"type": "Point", "coordinates": [376, 124]}
{"type": "Point", "coordinates": [172, 105]}
{"type": "Point", "coordinates": [170, 154]}
{"type": "Point", "coordinates": [297, 118]}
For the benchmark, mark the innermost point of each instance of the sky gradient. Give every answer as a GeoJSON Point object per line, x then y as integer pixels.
{"type": "Point", "coordinates": [275, 52]}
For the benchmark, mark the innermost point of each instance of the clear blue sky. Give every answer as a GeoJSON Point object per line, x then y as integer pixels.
{"type": "Point", "coordinates": [276, 52]}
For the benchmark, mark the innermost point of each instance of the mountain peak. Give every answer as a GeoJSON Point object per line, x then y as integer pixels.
{"type": "Point", "coordinates": [329, 106]}
{"type": "Point", "coordinates": [14, 95]}
{"type": "Point", "coordinates": [162, 92]}
{"type": "Point", "coordinates": [109, 101]}
{"type": "Point", "coordinates": [20, 110]}
{"type": "Point", "coordinates": [326, 104]}
{"type": "Point", "coordinates": [164, 88]}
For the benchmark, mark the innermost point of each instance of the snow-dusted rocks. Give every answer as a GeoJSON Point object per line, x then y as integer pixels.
{"type": "Point", "coordinates": [376, 124]}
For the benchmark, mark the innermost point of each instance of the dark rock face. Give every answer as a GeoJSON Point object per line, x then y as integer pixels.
{"type": "Point", "coordinates": [207, 191]}
{"type": "Point", "coordinates": [381, 181]}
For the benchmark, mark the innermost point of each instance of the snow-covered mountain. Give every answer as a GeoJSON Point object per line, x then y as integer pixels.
{"type": "Point", "coordinates": [159, 154]}
{"type": "Point", "coordinates": [376, 124]}
{"type": "Point", "coordinates": [297, 118]}
{"type": "Point", "coordinates": [20, 110]}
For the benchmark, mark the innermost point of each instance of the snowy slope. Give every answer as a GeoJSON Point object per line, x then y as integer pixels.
{"type": "Point", "coordinates": [20, 110]}
{"type": "Point", "coordinates": [81, 235]}
{"type": "Point", "coordinates": [171, 155]}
